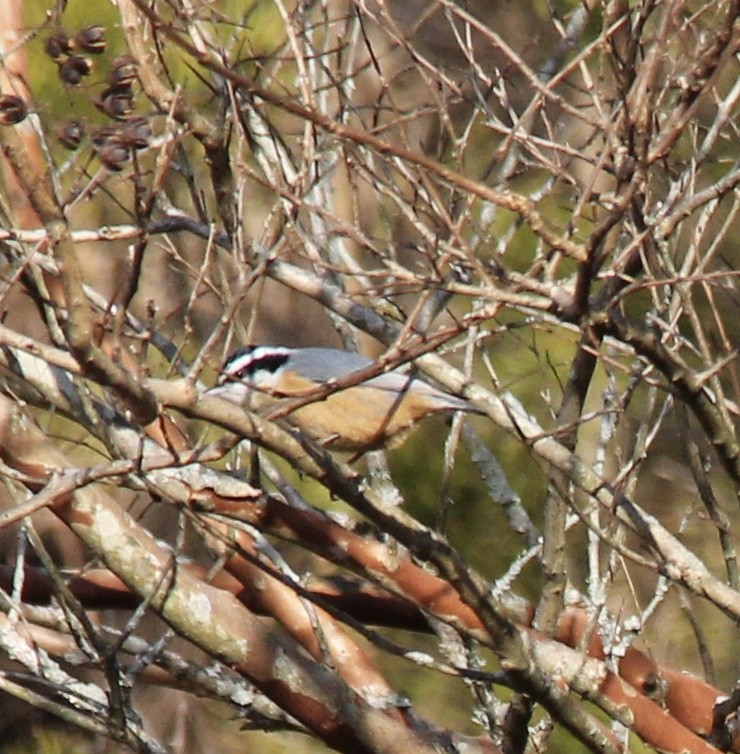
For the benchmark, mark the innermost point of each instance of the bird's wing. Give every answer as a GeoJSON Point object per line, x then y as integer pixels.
{"type": "Point", "coordinates": [324, 364]}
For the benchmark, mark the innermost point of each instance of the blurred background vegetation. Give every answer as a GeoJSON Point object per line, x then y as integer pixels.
{"type": "Point", "coordinates": [417, 83]}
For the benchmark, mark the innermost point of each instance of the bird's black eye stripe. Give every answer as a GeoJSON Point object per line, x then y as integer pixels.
{"type": "Point", "coordinates": [269, 362]}
{"type": "Point", "coordinates": [245, 362]}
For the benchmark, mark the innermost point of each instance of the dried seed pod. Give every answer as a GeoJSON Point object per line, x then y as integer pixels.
{"type": "Point", "coordinates": [116, 103]}
{"type": "Point", "coordinates": [113, 155]}
{"type": "Point", "coordinates": [58, 45]}
{"type": "Point", "coordinates": [137, 133]}
{"type": "Point", "coordinates": [118, 89]}
{"type": "Point", "coordinates": [105, 135]}
{"type": "Point", "coordinates": [12, 110]}
{"type": "Point", "coordinates": [71, 134]}
{"type": "Point", "coordinates": [74, 69]}
{"type": "Point", "coordinates": [91, 39]}
{"type": "Point", "coordinates": [123, 72]}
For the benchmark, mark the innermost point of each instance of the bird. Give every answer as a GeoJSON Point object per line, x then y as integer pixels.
{"type": "Point", "coordinates": [374, 413]}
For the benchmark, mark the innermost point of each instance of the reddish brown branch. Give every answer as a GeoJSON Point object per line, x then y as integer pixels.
{"type": "Point", "coordinates": [642, 686]}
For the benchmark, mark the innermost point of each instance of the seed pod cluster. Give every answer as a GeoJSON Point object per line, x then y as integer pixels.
{"type": "Point", "coordinates": [117, 99]}
{"type": "Point", "coordinates": [114, 142]}
{"type": "Point", "coordinates": [109, 149]}
{"type": "Point", "coordinates": [69, 52]}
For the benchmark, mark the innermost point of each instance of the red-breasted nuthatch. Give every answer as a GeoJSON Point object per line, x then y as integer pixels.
{"type": "Point", "coordinates": [371, 414]}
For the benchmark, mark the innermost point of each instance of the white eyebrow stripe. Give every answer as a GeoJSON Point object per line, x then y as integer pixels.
{"type": "Point", "coordinates": [250, 361]}
{"type": "Point", "coordinates": [260, 352]}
